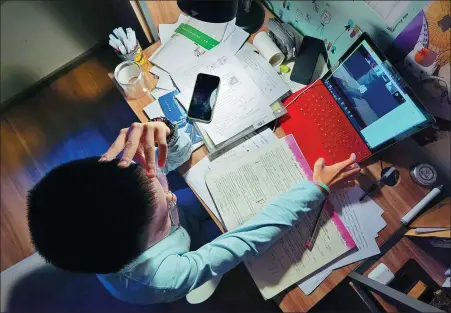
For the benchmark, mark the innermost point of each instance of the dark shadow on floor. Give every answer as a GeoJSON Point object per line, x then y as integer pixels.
{"type": "Point", "coordinates": [49, 289]}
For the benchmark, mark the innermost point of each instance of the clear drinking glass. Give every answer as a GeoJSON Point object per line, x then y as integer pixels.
{"type": "Point", "coordinates": [130, 78]}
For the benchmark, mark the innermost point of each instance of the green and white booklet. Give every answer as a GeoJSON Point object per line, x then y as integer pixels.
{"type": "Point", "coordinates": [192, 39]}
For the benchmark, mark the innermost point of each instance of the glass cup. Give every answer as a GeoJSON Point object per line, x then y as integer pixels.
{"type": "Point", "coordinates": [130, 78]}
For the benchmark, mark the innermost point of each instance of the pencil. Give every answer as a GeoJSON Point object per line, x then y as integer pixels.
{"type": "Point", "coordinates": [311, 240]}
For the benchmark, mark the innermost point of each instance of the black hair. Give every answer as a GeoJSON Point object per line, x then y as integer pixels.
{"type": "Point", "coordinates": [86, 216]}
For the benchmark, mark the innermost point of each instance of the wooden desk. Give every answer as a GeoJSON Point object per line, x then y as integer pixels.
{"type": "Point", "coordinates": [395, 201]}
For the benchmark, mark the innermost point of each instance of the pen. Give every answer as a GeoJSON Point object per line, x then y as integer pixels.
{"type": "Point", "coordinates": [378, 184]}
{"type": "Point", "coordinates": [122, 49]}
{"type": "Point", "coordinates": [114, 45]}
{"type": "Point", "coordinates": [311, 240]}
{"type": "Point", "coordinates": [406, 219]}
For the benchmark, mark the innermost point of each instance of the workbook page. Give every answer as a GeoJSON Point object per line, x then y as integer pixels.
{"type": "Point", "coordinates": [241, 189]}
{"type": "Point", "coordinates": [262, 73]}
{"type": "Point", "coordinates": [240, 103]}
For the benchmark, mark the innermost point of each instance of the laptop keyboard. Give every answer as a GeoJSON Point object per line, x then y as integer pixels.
{"type": "Point", "coordinates": [337, 135]}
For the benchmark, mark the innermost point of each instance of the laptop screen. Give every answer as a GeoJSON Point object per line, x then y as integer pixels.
{"type": "Point", "coordinates": [373, 96]}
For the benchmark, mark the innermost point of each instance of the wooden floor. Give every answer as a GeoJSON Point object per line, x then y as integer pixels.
{"type": "Point", "coordinates": [77, 115]}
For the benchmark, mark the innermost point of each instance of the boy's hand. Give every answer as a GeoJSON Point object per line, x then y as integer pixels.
{"type": "Point", "coordinates": [138, 141]}
{"type": "Point", "coordinates": [339, 175]}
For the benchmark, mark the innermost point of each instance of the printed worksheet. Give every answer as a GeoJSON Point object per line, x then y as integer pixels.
{"type": "Point", "coordinates": [240, 103]}
{"type": "Point", "coordinates": [242, 188]}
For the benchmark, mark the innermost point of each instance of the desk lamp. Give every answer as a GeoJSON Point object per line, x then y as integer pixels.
{"type": "Point", "coordinates": [249, 14]}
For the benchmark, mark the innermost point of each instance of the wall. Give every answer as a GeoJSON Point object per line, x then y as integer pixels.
{"type": "Point", "coordinates": [415, 35]}
{"type": "Point", "coordinates": [38, 37]}
{"type": "Point", "coordinates": [339, 22]}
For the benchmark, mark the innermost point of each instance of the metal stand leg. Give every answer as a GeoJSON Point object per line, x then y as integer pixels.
{"type": "Point", "coordinates": [395, 295]}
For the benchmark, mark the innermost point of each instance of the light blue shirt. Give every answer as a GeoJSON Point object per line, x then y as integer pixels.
{"type": "Point", "coordinates": [169, 270]}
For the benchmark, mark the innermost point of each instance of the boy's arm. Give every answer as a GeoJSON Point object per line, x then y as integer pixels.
{"type": "Point", "coordinates": [179, 151]}
{"type": "Point", "coordinates": [194, 268]}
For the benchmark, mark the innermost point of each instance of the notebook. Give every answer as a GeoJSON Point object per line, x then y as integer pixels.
{"type": "Point", "coordinates": [242, 188]}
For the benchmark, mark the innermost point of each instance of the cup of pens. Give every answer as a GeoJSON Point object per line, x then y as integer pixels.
{"type": "Point", "coordinates": [127, 47]}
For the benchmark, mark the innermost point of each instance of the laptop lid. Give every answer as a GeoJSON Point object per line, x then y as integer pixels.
{"type": "Point", "coordinates": [379, 104]}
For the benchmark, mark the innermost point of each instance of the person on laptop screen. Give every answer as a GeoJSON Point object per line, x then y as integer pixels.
{"type": "Point", "coordinates": [370, 92]}
{"type": "Point", "coordinates": [375, 99]}
{"type": "Point", "coordinates": [120, 220]}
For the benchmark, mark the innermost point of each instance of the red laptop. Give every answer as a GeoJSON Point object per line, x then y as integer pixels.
{"type": "Point", "coordinates": [362, 106]}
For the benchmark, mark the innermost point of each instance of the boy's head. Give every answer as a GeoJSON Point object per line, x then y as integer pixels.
{"type": "Point", "coordinates": [87, 216]}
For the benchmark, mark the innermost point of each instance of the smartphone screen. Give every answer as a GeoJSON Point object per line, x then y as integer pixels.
{"type": "Point", "coordinates": [204, 98]}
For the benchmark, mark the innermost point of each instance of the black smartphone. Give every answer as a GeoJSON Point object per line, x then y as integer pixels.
{"type": "Point", "coordinates": [204, 98]}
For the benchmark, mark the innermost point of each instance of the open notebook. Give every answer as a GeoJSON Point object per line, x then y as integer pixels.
{"type": "Point", "coordinates": [242, 188]}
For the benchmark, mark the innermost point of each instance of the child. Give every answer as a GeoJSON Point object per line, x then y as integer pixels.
{"type": "Point", "coordinates": [118, 218]}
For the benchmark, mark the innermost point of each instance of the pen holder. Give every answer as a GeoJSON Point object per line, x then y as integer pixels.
{"type": "Point", "coordinates": [137, 55]}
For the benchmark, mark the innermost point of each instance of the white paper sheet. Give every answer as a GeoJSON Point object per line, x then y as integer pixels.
{"type": "Point", "coordinates": [164, 80]}
{"type": "Point", "coordinates": [240, 103]}
{"type": "Point", "coordinates": [309, 285]}
{"type": "Point", "coordinates": [159, 72]}
{"type": "Point", "coordinates": [236, 38]}
{"type": "Point", "coordinates": [263, 74]}
{"type": "Point", "coordinates": [166, 30]}
{"type": "Point", "coordinates": [157, 93]}
{"type": "Point", "coordinates": [153, 110]}
{"type": "Point", "coordinates": [358, 218]}
{"type": "Point", "coordinates": [169, 56]}
{"type": "Point", "coordinates": [195, 177]}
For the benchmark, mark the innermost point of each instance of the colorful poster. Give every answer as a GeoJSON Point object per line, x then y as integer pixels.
{"type": "Point", "coordinates": [421, 52]}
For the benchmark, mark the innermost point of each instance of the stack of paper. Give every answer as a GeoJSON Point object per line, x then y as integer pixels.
{"type": "Point", "coordinates": [249, 85]}
{"type": "Point", "coordinates": [195, 177]}
{"type": "Point", "coordinates": [242, 188]}
{"type": "Point", "coordinates": [228, 34]}
{"type": "Point", "coordinates": [364, 221]}
{"type": "Point", "coordinates": [178, 49]}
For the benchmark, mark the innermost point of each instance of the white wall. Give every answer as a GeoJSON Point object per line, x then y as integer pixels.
{"type": "Point", "coordinates": [38, 37]}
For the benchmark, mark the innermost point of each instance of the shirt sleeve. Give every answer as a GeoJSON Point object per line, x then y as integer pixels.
{"type": "Point", "coordinates": [194, 268]}
{"type": "Point", "coordinates": [178, 152]}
